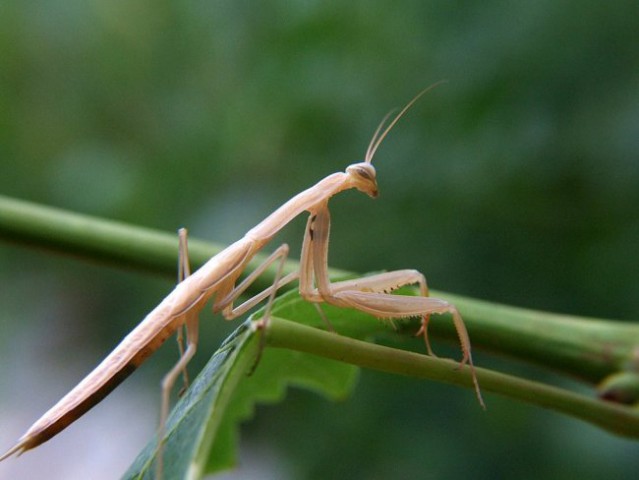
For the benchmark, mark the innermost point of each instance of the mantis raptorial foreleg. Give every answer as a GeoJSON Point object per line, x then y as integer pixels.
{"type": "Point", "coordinates": [372, 294]}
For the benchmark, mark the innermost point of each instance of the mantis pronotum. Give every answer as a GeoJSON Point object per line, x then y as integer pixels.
{"type": "Point", "coordinates": [218, 278]}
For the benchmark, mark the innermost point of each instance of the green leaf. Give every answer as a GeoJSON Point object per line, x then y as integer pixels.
{"type": "Point", "coordinates": [201, 433]}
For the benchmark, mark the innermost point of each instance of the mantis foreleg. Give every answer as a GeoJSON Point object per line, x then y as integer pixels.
{"type": "Point", "coordinates": [372, 294]}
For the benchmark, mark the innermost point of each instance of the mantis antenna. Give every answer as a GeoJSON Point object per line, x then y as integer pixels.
{"type": "Point", "coordinates": [377, 138]}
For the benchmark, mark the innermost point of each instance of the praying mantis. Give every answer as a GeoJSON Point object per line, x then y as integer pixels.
{"type": "Point", "coordinates": [218, 279]}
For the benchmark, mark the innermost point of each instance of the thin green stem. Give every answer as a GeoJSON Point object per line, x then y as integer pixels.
{"type": "Point", "coordinates": [610, 416]}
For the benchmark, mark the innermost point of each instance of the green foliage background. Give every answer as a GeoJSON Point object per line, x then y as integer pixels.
{"type": "Point", "coordinates": [517, 182]}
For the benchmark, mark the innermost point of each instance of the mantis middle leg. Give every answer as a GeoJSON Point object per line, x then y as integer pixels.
{"type": "Point", "coordinates": [226, 295]}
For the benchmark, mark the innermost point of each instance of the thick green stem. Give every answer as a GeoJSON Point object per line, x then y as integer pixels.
{"type": "Point", "coordinates": [108, 241]}
{"type": "Point", "coordinates": [88, 237]}
{"type": "Point", "coordinates": [587, 348]}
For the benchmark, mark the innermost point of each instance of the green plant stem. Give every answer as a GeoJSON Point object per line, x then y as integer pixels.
{"type": "Point", "coordinates": [110, 242]}
{"type": "Point", "coordinates": [610, 416]}
{"type": "Point", "coordinates": [587, 348]}
{"type": "Point", "coordinates": [87, 237]}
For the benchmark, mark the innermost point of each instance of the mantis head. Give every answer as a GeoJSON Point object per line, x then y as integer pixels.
{"type": "Point", "coordinates": [363, 178]}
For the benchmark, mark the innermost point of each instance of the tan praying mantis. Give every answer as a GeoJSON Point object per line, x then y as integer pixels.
{"type": "Point", "coordinates": [218, 277]}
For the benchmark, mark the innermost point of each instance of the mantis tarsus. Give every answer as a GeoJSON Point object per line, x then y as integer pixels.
{"type": "Point", "coordinates": [218, 278]}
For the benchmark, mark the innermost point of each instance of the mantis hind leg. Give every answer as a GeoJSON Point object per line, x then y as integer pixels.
{"type": "Point", "coordinates": [184, 271]}
{"type": "Point", "coordinates": [188, 329]}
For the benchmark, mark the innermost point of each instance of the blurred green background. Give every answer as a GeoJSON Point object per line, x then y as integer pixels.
{"type": "Point", "coordinates": [517, 181]}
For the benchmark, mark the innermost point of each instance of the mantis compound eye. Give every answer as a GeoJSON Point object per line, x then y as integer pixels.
{"type": "Point", "coordinates": [363, 170]}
